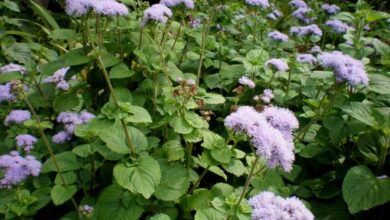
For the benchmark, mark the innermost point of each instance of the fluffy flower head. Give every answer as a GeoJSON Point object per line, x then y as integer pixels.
{"type": "Point", "coordinates": [278, 36]}
{"type": "Point", "coordinates": [172, 3]}
{"type": "Point", "coordinates": [301, 31]}
{"type": "Point", "coordinates": [245, 81]}
{"type": "Point", "coordinates": [17, 117]}
{"type": "Point", "coordinates": [337, 25]}
{"type": "Point", "coordinates": [13, 68]}
{"type": "Point", "coordinates": [278, 64]}
{"type": "Point", "coordinates": [306, 58]}
{"type": "Point", "coordinates": [261, 3]}
{"type": "Point", "coordinates": [157, 12]}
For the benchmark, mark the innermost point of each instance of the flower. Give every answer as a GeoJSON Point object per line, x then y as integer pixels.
{"type": "Point", "coordinates": [25, 141]}
{"type": "Point", "coordinates": [77, 8]}
{"type": "Point", "coordinates": [17, 168]}
{"type": "Point", "coordinates": [306, 58]}
{"type": "Point", "coordinates": [278, 36]}
{"type": "Point", "coordinates": [62, 137]}
{"type": "Point", "coordinates": [267, 205]}
{"type": "Point", "coordinates": [267, 96]}
{"type": "Point", "coordinates": [275, 14]}
{"type": "Point", "coordinates": [262, 3]}
{"type": "Point", "coordinates": [5, 93]}
{"type": "Point", "coordinates": [330, 9]}
{"type": "Point", "coordinates": [315, 49]}
{"type": "Point", "coordinates": [337, 25]}
{"type": "Point", "coordinates": [245, 81]}
{"type": "Point", "coordinates": [58, 78]}
{"type": "Point", "coordinates": [298, 3]}
{"type": "Point", "coordinates": [301, 31]}
{"type": "Point", "coordinates": [282, 119]}
{"type": "Point", "coordinates": [13, 68]}
{"type": "Point", "coordinates": [301, 13]}
{"type": "Point", "coordinates": [17, 117]}
{"type": "Point", "coordinates": [172, 3]}
{"type": "Point", "coordinates": [345, 68]}
{"type": "Point", "coordinates": [278, 64]}
{"type": "Point", "coordinates": [157, 12]}
{"type": "Point", "coordinates": [70, 121]}
{"type": "Point", "coordinates": [195, 23]}
{"type": "Point", "coordinates": [109, 8]}
{"type": "Point", "coordinates": [86, 210]}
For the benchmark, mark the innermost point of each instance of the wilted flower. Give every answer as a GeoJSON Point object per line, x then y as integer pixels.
{"type": "Point", "coordinates": [17, 168]}
{"type": "Point", "coordinates": [330, 9]}
{"type": "Point", "coordinates": [25, 141]}
{"type": "Point", "coordinates": [337, 25]}
{"type": "Point", "coordinates": [346, 68]}
{"type": "Point", "coordinates": [278, 36]}
{"type": "Point", "coordinates": [17, 117]}
{"type": "Point", "coordinates": [267, 205]}
{"type": "Point", "coordinates": [13, 68]}
{"type": "Point", "coordinates": [301, 31]}
{"type": "Point", "coordinates": [278, 64]}
{"type": "Point", "coordinates": [306, 58]}
{"type": "Point", "coordinates": [172, 3]}
{"type": "Point", "coordinates": [157, 12]}
{"type": "Point", "coordinates": [245, 81]}
{"type": "Point", "coordinates": [261, 3]}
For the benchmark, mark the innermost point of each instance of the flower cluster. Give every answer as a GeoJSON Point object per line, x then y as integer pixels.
{"type": "Point", "coordinates": [58, 78]}
{"type": "Point", "coordinates": [346, 68]}
{"type": "Point", "coordinates": [275, 14]}
{"type": "Point", "coordinates": [315, 49]}
{"type": "Point", "coordinates": [17, 116]}
{"type": "Point", "coordinates": [270, 133]}
{"type": "Point", "coordinates": [267, 96]}
{"type": "Point", "coordinates": [70, 120]}
{"type": "Point", "coordinates": [306, 58]}
{"type": "Point", "coordinates": [261, 3]}
{"type": "Point", "coordinates": [278, 36]}
{"type": "Point", "coordinates": [195, 23]}
{"type": "Point", "coordinates": [301, 31]}
{"type": "Point", "coordinates": [25, 141]}
{"type": "Point", "coordinates": [17, 168]}
{"type": "Point", "coordinates": [172, 3]}
{"type": "Point", "coordinates": [267, 205]}
{"type": "Point", "coordinates": [301, 14]}
{"type": "Point", "coordinates": [330, 9]}
{"type": "Point", "coordinates": [156, 12]}
{"type": "Point", "coordinates": [245, 81]}
{"type": "Point", "coordinates": [5, 93]}
{"type": "Point", "coordinates": [278, 64]}
{"type": "Point", "coordinates": [13, 68]}
{"type": "Point", "coordinates": [337, 25]}
{"type": "Point", "coordinates": [298, 3]}
{"type": "Point", "coordinates": [86, 210]}
{"type": "Point", "coordinates": [79, 8]}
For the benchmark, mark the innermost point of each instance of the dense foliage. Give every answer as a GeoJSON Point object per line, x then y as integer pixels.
{"type": "Point", "coordinates": [201, 109]}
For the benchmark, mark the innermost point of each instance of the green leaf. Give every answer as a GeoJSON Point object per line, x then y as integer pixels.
{"type": "Point", "coordinates": [109, 60]}
{"type": "Point", "coordinates": [160, 216]}
{"type": "Point", "coordinates": [120, 71]}
{"type": "Point", "coordinates": [223, 155]}
{"type": "Point", "coordinates": [130, 113]}
{"type": "Point", "coordinates": [63, 34]}
{"type": "Point", "coordinates": [235, 167]}
{"type": "Point", "coordinates": [69, 178]}
{"type": "Point", "coordinates": [116, 203]}
{"type": "Point", "coordinates": [379, 84]}
{"type": "Point", "coordinates": [66, 101]}
{"type": "Point", "coordinates": [209, 214]}
{"type": "Point", "coordinates": [6, 77]}
{"type": "Point", "coordinates": [44, 14]}
{"type": "Point", "coordinates": [174, 182]}
{"type": "Point", "coordinates": [60, 194]}
{"type": "Point", "coordinates": [180, 125]}
{"type": "Point", "coordinates": [360, 112]}
{"type": "Point", "coordinates": [212, 140]}
{"type": "Point", "coordinates": [141, 176]}
{"type": "Point", "coordinates": [11, 5]}
{"type": "Point", "coordinates": [362, 190]}
{"type": "Point", "coordinates": [84, 150]}
{"type": "Point", "coordinates": [195, 120]}
{"type": "Point", "coordinates": [67, 161]}
{"type": "Point", "coordinates": [214, 99]}
{"type": "Point", "coordinates": [19, 52]}
{"type": "Point", "coordinates": [173, 150]}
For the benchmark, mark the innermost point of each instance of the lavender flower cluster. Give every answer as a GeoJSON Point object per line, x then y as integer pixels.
{"type": "Point", "coordinates": [17, 116]}
{"type": "Point", "coordinates": [157, 12]}
{"type": "Point", "coordinates": [337, 25]}
{"type": "Point", "coordinates": [6, 89]}
{"type": "Point", "coordinates": [330, 9]}
{"type": "Point", "coordinates": [13, 68]}
{"type": "Point", "coordinates": [261, 3]}
{"type": "Point", "coordinates": [301, 14]}
{"type": "Point", "coordinates": [79, 8]}
{"type": "Point", "coordinates": [278, 64]}
{"type": "Point", "coordinates": [275, 14]}
{"type": "Point", "coordinates": [70, 120]}
{"type": "Point", "coordinates": [267, 205]}
{"type": "Point", "coordinates": [301, 31]}
{"type": "Point", "coordinates": [270, 132]}
{"type": "Point", "coordinates": [298, 3]}
{"type": "Point", "coordinates": [245, 81]}
{"type": "Point", "coordinates": [58, 78]}
{"type": "Point", "coordinates": [173, 3]}
{"type": "Point", "coordinates": [17, 168]}
{"type": "Point", "coordinates": [278, 36]}
{"type": "Point", "coordinates": [307, 58]}
{"type": "Point", "coordinates": [346, 68]}
{"type": "Point", "coordinates": [5, 93]}
{"type": "Point", "coordinates": [25, 141]}
{"type": "Point", "coordinates": [267, 96]}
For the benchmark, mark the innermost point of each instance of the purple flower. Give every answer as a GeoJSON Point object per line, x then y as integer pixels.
{"type": "Point", "coordinates": [298, 3]}
{"type": "Point", "coordinates": [25, 141]}
{"type": "Point", "coordinates": [267, 205]}
{"type": "Point", "coordinates": [282, 119]}
{"type": "Point", "coordinates": [337, 25]}
{"type": "Point", "coordinates": [157, 12]}
{"type": "Point", "coordinates": [110, 8]}
{"type": "Point", "coordinates": [17, 168]}
{"type": "Point", "coordinates": [61, 137]}
{"type": "Point", "coordinates": [268, 141]}
{"type": "Point", "coordinates": [77, 8]}
{"type": "Point", "coordinates": [267, 96]}
{"type": "Point", "coordinates": [261, 3]}
{"type": "Point", "coordinates": [13, 68]}
{"type": "Point", "coordinates": [306, 58]}
{"type": "Point", "coordinates": [278, 64]}
{"type": "Point", "coordinates": [345, 68]}
{"type": "Point", "coordinates": [86, 210]}
{"type": "Point", "coordinates": [301, 31]}
{"type": "Point", "coordinates": [58, 78]}
{"type": "Point", "coordinates": [278, 36]}
{"type": "Point", "coordinates": [195, 23]}
{"type": "Point", "coordinates": [330, 9]}
{"type": "Point", "coordinates": [86, 116]}
{"type": "Point", "coordinates": [172, 3]}
{"type": "Point", "coordinates": [315, 49]}
{"type": "Point", "coordinates": [301, 13]}
{"type": "Point", "coordinates": [5, 93]}
{"type": "Point", "coordinates": [275, 14]}
{"type": "Point", "coordinates": [245, 81]}
{"type": "Point", "coordinates": [17, 117]}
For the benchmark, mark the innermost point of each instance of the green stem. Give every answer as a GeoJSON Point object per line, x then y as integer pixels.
{"type": "Point", "coordinates": [202, 175]}
{"type": "Point", "coordinates": [189, 155]}
{"type": "Point", "coordinates": [288, 81]}
{"type": "Point", "coordinates": [140, 38]}
{"type": "Point", "coordinates": [203, 45]}
{"type": "Point", "coordinates": [177, 36]}
{"type": "Point", "coordinates": [119, 33]}
{"type": "Point", "coordinates": [48, 146]}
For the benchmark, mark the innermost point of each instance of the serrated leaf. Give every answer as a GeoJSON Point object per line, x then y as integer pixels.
{"type": "Point", "coordinates": [174, 182]}
{"type": "Point", "coordinates": [173, 150]}
{"type": "Point", "coordinates": [160, 216]}
{"type": "Point", "coordinates": [120, 71]}
{"type": "Point", "coordinates": [235, 167]}
{"type": "Point", "coordinates": [223, 155]}
{"type": "Point", "coordinates": [67, 161]}
{"type": "Point", "coordinates": [60, 194]}
{"type": "Point", "coordinates": [360, 112]}
{"type": "Point", "coordinates": [212, 140]}
{"type": "Point", "coordinates": [195, 120]}
{"type": "Point", "coordinates": [362, 190]}
{"type": "Point", "coordinates": [83, 150]}
{"type": "Point", "coordinates": [180, 126]}
{"type": "Point", "coordinates": [209, 214]}
{"type": "Point", "coordinates": [19, 52]}
{"type": "Point", "coordinates": [379, 84]}
{"type": "Point", "coordinates": [141, 176]}
{"type": "Point", "coordinates": [214, 99]}
{"type": "Point", "coordinates": [65, 102]}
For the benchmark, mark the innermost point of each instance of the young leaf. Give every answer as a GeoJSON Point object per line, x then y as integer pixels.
{"type": "Point", "coordinates": [174, 182]}
{"type": "Point", "coordinates": [60, 194]}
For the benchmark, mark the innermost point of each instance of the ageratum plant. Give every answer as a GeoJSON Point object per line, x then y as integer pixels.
{"type": "Point", "coordinates": [185, 109]}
